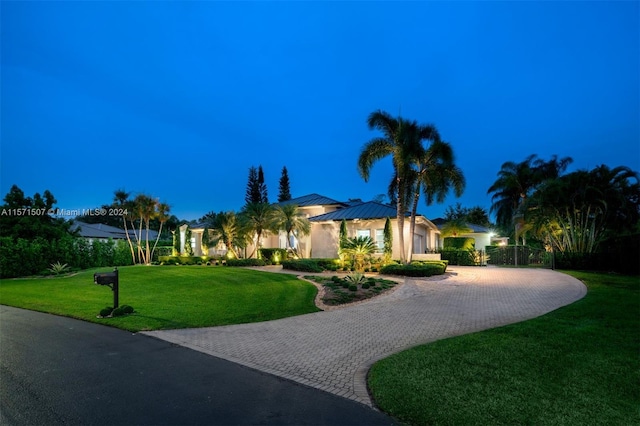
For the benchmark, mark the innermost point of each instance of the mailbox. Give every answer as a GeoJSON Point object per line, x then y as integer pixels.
{"type": "Point", "coordinates": [109, 279]}
{"type": "Point", "coordinates": [105, 278]}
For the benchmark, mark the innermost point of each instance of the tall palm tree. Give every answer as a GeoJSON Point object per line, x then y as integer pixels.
{"type": "Point", "coordinates": [162, 214]}
{"type": "Point", "coordinates": [291, 220]}
{"type": "Point", "coordinates": [122, 203]}
{"type": "Point", "coordinates": [258, 219]}
{"type": "Point", "coordinates": [434, 174]}
{"type": "Point", "coordinates": [397, 143]}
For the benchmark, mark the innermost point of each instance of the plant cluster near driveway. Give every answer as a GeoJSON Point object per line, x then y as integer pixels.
{"type": "Point", "coordinates": [577, 365]}
{"type": "Point", "coordinates": [352, 288]}
{"type": "Point", "coordinates": [167, 297]}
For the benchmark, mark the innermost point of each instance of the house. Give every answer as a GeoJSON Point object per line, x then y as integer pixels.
{"type": "Point", "coordinates": [363, 219]}
{"type": "Point", "coordinates": [482, 235]}
{"type": "Point", "coordinates": [102, 232]}
{"type": "Point", "coordinates": [325, 214]}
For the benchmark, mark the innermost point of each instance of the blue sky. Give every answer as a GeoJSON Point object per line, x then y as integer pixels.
{"type": "Point", "coordinates": [179, 99]}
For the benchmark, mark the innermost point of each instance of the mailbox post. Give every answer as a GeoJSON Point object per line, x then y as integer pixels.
{"type": "Point", "coordinates": [109, 279]}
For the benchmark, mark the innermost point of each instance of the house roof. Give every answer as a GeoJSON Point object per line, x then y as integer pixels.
{"type": "Point", "coordinates": [100, 230]}
{"type": "Point", "coordinates": [311, 200]}
{"type": "Point", "coordinates": [363, 210]}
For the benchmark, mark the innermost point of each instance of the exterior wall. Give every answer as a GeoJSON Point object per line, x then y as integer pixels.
{"type": "Point", "coordinates": [324, 236]}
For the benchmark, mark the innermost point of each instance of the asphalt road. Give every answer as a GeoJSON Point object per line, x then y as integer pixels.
{"type": "Point", "coordinates": [56, 370]}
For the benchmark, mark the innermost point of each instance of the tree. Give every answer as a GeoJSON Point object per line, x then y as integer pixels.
{"type": "Point", "coordinates": [285, 191]}
{"type": "Point", "coordinates": [516, 182]}
{"type": "Point", "coordinates": [262, 186]}
{"type": "Point", "coordinates": [434, 174]}
{"type": "Point", "coordinates": [388, 241]}
{"type": "Point", "coordinates": [225, 229]}
{"type": "Point", "coordinates": [395, 142]}
{"type": "Point", "coordinates": [454, 227]}
{"type": "Point", "coordinates": [162, 215]}
{"type": "Point", "coordinates": [122, 204]}
{"type": "Point", "coordinates": [252, 194]}
{"type": "Point", "coordinates": [577, 211]}
{"type": "Point", "coordinates": [30, 218]}
{"type": "Point", "coordinates": [476, 215]}
{"type": "Point", "coordinates": [358, 248]}
{"type": "Point", "coordinates": [291, 220]}
{"type": "Point", "coordinates": [257, 219]}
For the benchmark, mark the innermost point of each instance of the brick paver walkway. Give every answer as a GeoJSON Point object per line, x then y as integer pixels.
{"type": "Point", "coordinates": [333, 350]}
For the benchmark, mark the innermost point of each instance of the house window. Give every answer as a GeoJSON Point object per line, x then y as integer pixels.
{"type": "Point", "coordinates": [363, 233]}
{"type": "Point", "coordinates": [379, 240]}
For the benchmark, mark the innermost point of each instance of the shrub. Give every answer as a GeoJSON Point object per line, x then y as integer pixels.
{"type": "Point", "coordinates": [273, 255]}
{"type": "Point", "coordinates": [127, 309]}
{"type": "Point", "coordinates": [462, 257]}
{"type": "Point", "coordinates": [117, 312]}
{"type": "Point", "coordinates": [106, 311]}
{"type": "Point", "coordinates": [414, 270]}
{"type": "Point", "coordinates": [245, 262]}
{"type": "Point", "coordinates": [353, 287]}
{"type": "Point", "coordinates": [355, 278]}
{"type": "Point", "coordinates": [58, 268]}
{"type": "Point", "coordinates": [366, 285]}
{"type": "Point", "coordinates": [303, 265]}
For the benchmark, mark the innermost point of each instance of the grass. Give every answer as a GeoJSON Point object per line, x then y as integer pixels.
{"type": "Point", "coordinates": [166, 297]}
{"type": "Point", "coordinates": [578, 365]}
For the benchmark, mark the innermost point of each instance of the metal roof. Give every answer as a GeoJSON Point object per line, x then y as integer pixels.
{"type": "Point", "coordinates": [100, 230]}
{"type": "Point", "coordinates": [311, 200]}
{"type": "Point", "coordinates": [367, 210]}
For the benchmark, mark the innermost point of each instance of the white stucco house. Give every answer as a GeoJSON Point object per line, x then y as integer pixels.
{"type": "Point", "coordinates": [325, 216]}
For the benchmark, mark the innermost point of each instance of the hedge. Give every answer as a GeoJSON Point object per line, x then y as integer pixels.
{"type": "Point", "coordinates": [303, 265]}
{"type": "Point", "coordinates": [245, 262]}
{"type": "Point", "coordinates": [270, 254]}
{"type": "Point", "coordinates": [414, 269]}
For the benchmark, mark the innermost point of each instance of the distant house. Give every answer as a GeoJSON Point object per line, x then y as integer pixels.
{"type": "Point", "coordinates": [482, 235]}
{"type": "Point", "coordinates": [101, 232]}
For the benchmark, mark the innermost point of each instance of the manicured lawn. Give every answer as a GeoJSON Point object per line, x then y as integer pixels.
{"type": "Point", "coordinates": [579, 365]}
{"type": "Point", "coordinates": [166, 297]}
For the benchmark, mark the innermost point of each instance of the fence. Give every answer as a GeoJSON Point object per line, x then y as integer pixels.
{"type": "Point", "coordinates": [519, 256]}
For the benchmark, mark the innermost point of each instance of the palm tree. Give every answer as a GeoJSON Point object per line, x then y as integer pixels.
{"type": "Point", "coordinates": [290, 219]}
{"type": "Point", "coordinates": [258, 219]}
{"type": "Point", "coordinates": [358, 248]}
{"type": "Point", "coordinates": [454, 227]}
{"type": "Point", "coordinates": [434, 174]}
{"type": "Point", "coordinates": [162, 214]}
{"type": "Point", "coordinates": [122, 203]}
{"type": "Point", "coordinates": [396, 143]}
{"type": "Point", "coordinates": [225, 228]}
{"type": "Point", "coordinates": [516, 182]}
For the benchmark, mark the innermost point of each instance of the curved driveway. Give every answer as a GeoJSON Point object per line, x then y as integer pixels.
{"type": "Point", "coordinates": [333, 350]}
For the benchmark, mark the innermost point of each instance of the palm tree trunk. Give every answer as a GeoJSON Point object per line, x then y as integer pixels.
{"type": "Point", "coordinates": [400, 218]}
{"type": "Point", "coordinates": [126, 232]}
{"type": "Point", "coordinates": [412, 223]}
{"type": "Point", "coordinates": [156, 243]}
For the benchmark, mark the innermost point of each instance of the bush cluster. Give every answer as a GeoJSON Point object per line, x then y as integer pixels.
{"type": "Point", "coordinates": [245, 262]}
{"type": "Point", "coordinates": [303, 265]}
{"type": "Point", "coordinates": [422, 269]}
{"type": "Point", "coordinates": [117, 312]}
{"type": "Point", "coordinates": [462, 257]}
{"type": "Point", "coordinates": [22, 257]}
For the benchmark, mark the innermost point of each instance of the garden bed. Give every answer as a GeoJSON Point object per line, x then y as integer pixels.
{"type": "Point", "coordinates": [350, 289]}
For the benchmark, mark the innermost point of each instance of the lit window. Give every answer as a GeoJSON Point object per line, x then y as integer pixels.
{"type": "Point", "coordinates": [379, 240]}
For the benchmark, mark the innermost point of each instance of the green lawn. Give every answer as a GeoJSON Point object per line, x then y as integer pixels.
{"type": "Point", "coordinates": [166, 297]}
{"type": "Point", "coordinates": [579, 365]}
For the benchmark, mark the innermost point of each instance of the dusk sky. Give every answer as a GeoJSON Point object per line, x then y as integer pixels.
{"type": "Point", "coordinates": [178, 99]}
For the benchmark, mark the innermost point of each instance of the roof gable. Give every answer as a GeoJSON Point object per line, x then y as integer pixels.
{"type": "Point", "coordinates": [366, 210]}
{"type": "Point", "coordinates": [311, 200]}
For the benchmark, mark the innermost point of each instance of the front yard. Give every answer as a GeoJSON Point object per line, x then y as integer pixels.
{"type": "Point", "coordinates": [167, 297]}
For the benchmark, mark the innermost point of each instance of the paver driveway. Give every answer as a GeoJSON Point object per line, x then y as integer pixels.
{"type": "Point", "coordinates": [333, 350]}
